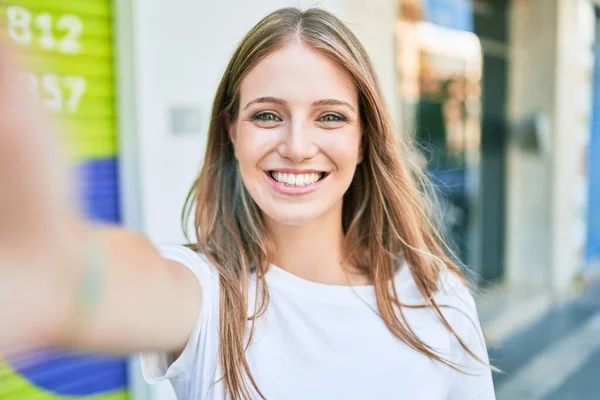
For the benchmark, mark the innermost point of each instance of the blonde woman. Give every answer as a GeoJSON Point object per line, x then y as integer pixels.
{"type": "Point", "coordinates": [316, 273]}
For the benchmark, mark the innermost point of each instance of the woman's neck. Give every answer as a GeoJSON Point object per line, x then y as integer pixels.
{"type": "Point", "coordinates": [315, 251]}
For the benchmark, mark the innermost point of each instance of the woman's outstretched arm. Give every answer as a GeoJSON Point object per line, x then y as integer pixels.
{"type": "Point", "coordinates": [136, 300]}
{"type": "Point", "coordinates": [120, 296]}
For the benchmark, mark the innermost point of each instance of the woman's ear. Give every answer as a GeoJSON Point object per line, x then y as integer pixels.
{"type": "Point", "coordinates": [232, 134]}
{"type": "Point", "coordinates": [361, 149]}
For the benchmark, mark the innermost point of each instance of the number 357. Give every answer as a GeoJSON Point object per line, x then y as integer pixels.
{"type": "Point", "coordinates": [55, 92]}
{"type": "Point", "coordinates": [20, 21]}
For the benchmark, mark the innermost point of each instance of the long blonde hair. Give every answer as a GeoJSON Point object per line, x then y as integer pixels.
{"type": "Point", "coordinates": [385, 212]}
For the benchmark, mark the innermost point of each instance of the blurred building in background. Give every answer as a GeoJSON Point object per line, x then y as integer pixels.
{"type": "Point", "coordinates": [501, 93]}
{"type": "Point", "coordinates": [503, 96]}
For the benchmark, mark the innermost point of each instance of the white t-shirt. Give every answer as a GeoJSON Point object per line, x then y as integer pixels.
{"type": "Point", "coordinates": [319, 341]}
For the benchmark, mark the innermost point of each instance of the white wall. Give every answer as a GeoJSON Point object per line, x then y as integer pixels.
{"type": "Point", "coordinates": [179, 49]}
{"type": "Point", "coordinates": [374, 23]}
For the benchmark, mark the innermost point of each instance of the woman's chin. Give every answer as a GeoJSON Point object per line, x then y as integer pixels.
{"type": "Point", "coordinates": [292, 218]}
{"type": "Point", "coordinates": [300, 213]}
{"type": "Point", "coordinates": [293, 221]}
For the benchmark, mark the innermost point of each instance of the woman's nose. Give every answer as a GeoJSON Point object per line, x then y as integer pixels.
{"type": "Point", "coordinates": [297, 143]}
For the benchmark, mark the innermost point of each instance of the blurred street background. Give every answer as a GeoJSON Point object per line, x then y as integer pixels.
{"type": "Point", "coordinates": [502, 96]}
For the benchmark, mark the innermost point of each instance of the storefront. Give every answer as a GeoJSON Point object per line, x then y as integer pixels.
{"type": "Point", "coordinates": [452, 68]}
{"type": "Point", "coordinates": [67, 45]}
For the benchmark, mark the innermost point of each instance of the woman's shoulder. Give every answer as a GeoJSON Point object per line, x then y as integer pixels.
{"type": "Point", "coordinates": [456, 303]}
{"type": "Point", "coordinates": [455, 288]}
{"type": "Point", "coordinates": [192, 259]}
{"type": "Point", "coordinates": [453, 291]}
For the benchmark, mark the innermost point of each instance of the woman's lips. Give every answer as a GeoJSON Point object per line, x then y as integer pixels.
{"type": "Point", "coordinates": [296, 181]}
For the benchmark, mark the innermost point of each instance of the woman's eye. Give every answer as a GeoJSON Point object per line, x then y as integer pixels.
{"type": "Point", "coordinates": [332, 118]}
{"type": "Point", "coordinates": [266, 117]}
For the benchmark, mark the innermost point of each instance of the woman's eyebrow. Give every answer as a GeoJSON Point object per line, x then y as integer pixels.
{"type": "Point", "coordinates": [322, 102]}
{"type": "Point", "coordinates": [333, 102]}
{"type": "Point", "coordinates": [266, 99]}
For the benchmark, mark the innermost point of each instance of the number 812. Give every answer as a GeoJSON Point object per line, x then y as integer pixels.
{"type": "Point", "coordinates": [21, 19]}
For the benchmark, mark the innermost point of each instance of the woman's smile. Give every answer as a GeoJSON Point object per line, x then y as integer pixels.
{"type": "Point", "coordinates": [289, 181]}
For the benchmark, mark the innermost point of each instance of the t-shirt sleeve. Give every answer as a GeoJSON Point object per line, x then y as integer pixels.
{"type": "Point", "coordinates": [474, 380]}
{"type": "Point", "coordinates": [158, 366]}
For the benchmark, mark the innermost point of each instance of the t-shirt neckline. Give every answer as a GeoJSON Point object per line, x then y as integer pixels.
{"type": "Point", "coordinates": [327, 292]}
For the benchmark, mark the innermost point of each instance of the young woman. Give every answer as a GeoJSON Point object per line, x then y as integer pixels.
{"type": "Point", "coordinates": [316, 273]}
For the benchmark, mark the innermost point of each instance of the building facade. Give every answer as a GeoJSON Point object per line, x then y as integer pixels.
{"type": "Point", "coordinates": [504, 94]}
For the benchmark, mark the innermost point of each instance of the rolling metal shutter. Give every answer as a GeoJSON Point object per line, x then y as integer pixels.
{"type": "Point", "coordinates": [67, 45]}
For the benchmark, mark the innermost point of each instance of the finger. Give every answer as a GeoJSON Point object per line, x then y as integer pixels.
{"type": "Point", "coordinates": [32, 174]}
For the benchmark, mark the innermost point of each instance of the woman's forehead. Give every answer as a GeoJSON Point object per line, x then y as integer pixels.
{"type": "Point", "coordinates": [298, 73]}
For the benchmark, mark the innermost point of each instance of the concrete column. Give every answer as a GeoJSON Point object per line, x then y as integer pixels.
{"type": "Point", "coordinates": [572, 104]}
{"type": "Point", "coordinates": [547, 67]}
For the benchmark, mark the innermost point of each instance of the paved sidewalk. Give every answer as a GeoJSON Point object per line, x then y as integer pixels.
{"type": "Point", "coordinates": [555, 358]}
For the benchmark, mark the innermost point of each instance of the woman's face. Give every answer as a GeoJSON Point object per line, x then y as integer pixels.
{"type": "Point", "coordinates": [298, 136]}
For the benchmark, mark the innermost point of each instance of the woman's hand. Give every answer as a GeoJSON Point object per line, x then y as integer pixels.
{"type": "Point", "coordinates": [40, 227]}
{"type": "Point", "coordinates": [146, 301]}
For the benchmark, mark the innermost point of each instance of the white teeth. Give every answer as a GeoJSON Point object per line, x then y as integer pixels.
{"type": "Point", "coordinates": [296, 180]}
